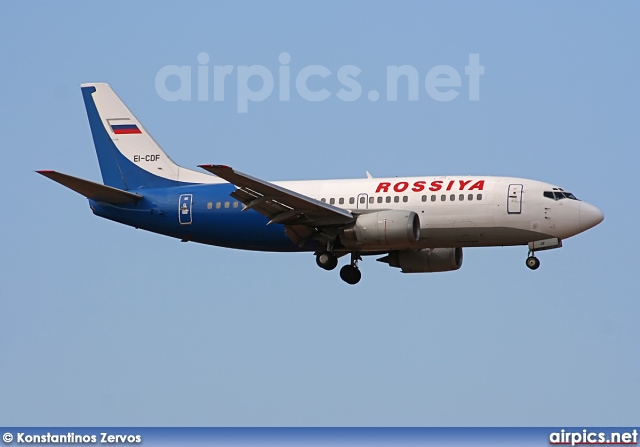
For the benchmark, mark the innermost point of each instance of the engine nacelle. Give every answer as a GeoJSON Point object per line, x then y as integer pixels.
{"type": "Point", "coordinates": [425, 261]}
{"type": "Point", "coordinates": [384, 229]}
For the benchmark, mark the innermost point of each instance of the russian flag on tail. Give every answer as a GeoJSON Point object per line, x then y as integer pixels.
{"type": "Point", "coordinates": [120, 129]}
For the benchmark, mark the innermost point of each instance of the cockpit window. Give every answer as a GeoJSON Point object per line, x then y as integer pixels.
{"type": "Point", "coordinates": [559, 195]}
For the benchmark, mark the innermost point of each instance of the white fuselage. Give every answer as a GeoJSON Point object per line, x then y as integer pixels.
{"type": "Point", "coordinates": [462, 211]}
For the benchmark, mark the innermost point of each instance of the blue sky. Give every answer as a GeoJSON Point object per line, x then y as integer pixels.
{"type": "Point", "coordinates": [106, 325]}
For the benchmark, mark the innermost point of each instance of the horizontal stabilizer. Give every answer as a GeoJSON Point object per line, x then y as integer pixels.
{"type": "Point", "coordinates": [91, 190]}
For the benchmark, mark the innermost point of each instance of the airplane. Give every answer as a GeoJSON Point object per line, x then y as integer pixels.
{"type": "Point", "coordinates": [416, 224]}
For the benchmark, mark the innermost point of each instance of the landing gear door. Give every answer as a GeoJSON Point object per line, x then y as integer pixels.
{"type": "Point", "coordinates": [514, 200]}
{"type": "Point", "coordinates": [184, 209]}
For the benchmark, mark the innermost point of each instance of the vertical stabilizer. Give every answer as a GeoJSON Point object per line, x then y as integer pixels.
{"type": "Point", "coordinates": [128, 155]}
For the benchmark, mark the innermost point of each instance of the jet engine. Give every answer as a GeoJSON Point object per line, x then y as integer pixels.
{"type": "Point", "coordinates": [425, 261]}
{"type": "Point", "coordinates": [383, 229]}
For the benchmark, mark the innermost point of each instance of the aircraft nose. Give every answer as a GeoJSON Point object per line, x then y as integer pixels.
{"type": "Point", "coordinates": [590, 216]}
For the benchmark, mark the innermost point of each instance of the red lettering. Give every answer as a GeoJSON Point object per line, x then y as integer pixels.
{"type": "Point", "coordinates": [400, 186]}
{"type": "Point", "coordinates": [464, 183]}
{"type": "Point", "coordinates": [418, 186]}
{"type": "Point", "coordinates": [478, 185]}
{"type": "Point", "coordinates": [436, 185]}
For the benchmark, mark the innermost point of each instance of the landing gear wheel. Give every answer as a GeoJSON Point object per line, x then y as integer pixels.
{"type": "Point", "coordinates": [533, 262]}
{"type": "Point", "coordinates": [326, 260]}
{"type": "Point", "coordinates": [350, 274]}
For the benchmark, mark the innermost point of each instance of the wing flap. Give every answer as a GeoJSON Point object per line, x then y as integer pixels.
{"type": "Point", "coordinates": [91, 190]}
{"type": "Point", "coordinates": [279, 204]}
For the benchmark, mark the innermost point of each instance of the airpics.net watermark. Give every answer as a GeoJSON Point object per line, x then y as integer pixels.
{"type": "Point", "coordinates": [255, 83]}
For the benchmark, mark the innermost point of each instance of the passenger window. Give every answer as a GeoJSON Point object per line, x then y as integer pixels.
{"type": "Point", "coordinates": [323, 200]}
{"type": "Point", "coordinates": [479, 197]}
{"type": "Point", "coordinates": [396, 199]}
{"type": "Point", "coordinates": [362, 199]}
{"type": "Point", "coordinates": [218, 205]}
{"type": "Point", "coordinates": [332, 201]}
{"type": "Point", "coordinates": [470, 197]}
{"type": "Point", "coordinates": [341, 200]}
{"type": "Point", "coordinates": [424, 198]}
{"type": "Point", "coordinates": [461, 197]}
{"type": "Point", "coordinates": [380, 199]}
{"type": "Point", "coordinates": [452, 197]}
{"type": "Point", "coordinates": [209, 205]}
{"type": "Point", "coordinates": [372, 199]}
{"type": "Point", "coordinates": [352, 200]}
{"type": "Point", "coordinates": [226, 204]}
{"type": "Point", "coordinates": [388, 200]}
{"type": "Point", "coordinates": [433, 198]}
{"type": "Point", "coordinates": [443, 197]}
{"type": "Point", "coordinates": [235, 204]}
{"type": "Point", "coordinates": [405, 199]}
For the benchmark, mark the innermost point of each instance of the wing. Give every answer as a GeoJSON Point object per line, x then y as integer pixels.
{"type": "Point", "coordinates": [279, 204]}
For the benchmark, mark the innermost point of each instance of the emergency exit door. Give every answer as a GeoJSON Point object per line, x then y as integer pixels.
{"type": "Point", "coordinates": [362, 201]}
{"type": "Point", "coordinates": [514, 200]}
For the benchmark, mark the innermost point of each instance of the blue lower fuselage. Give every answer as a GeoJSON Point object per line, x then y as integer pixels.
{"type": "Point", "coordinates": [212, 217]}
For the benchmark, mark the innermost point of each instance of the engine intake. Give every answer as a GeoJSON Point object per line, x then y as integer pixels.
{"type": "Point", "coordinates": [386, 229]}
{"type": "Point", "coordinates": [425, 261]}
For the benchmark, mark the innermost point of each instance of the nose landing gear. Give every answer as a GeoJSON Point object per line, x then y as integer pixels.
{"type": "Point", "coordinates": [532, 262]}
{"type": "Point", "coordinates": [546, 244]}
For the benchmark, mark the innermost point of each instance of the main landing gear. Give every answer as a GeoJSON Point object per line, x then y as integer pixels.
{"type": "Point", "coordinates": [349, 273]}
{"type": "Point", "coordinates": [326, 260]}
